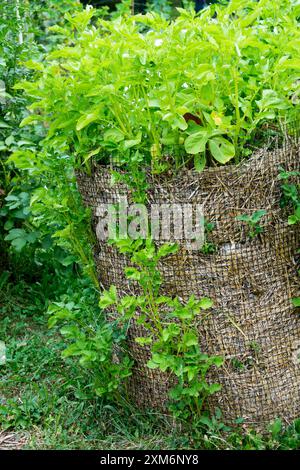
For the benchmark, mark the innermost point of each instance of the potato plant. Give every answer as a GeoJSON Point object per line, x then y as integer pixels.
{"type": "Point", "coordinates": [192, 91]}
{"type": "Point", "coordinates": [170, 326]}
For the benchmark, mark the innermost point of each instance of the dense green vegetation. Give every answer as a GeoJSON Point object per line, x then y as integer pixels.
{"type": "Point", "coordinates": [86, 98]}
{"type": "Point", "coordinates": [142, 88]}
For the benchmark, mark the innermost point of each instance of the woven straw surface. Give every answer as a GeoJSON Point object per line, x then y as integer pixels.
{"type": "Point", "coordinates": [3, 252]}
{"type": "Point", "coordinates": [253, 323]}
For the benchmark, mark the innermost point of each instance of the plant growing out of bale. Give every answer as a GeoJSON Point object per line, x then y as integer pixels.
{"type": "Point", "coordinates": [253, 221]}
{"type": "Point", "coordinates": [208, 247]}
{"type": "Point", "coordinates": [291, 195]}
{"type": "Point", "coordinates": [169, 327]}
{"type": "Point", "coordinates": [291, 198]}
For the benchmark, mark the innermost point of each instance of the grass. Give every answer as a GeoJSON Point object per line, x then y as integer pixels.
{"type": "Point", "coordinates": [43, 396]}
{"type": "Point", "coordinates": [45, 401]}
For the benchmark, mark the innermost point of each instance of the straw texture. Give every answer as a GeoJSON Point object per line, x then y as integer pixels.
{"type": "Point", "coordinates": [251, 281]}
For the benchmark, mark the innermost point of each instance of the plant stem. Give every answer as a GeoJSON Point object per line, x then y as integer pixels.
{"type": "Point", "coordinates": [237, 116]}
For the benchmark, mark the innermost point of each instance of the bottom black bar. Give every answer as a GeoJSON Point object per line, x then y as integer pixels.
{"type": "Point", "coordinates": [136, 459]}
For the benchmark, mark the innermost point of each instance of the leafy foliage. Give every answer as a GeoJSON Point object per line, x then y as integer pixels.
{"type": "Point", "coordinates": [161, 92]}
{"type": "Point", "coordinates": [253, 221]}
{"type": "Point", "coordinates": [94, 347]}
{"type": "Point", "coordinates": [170, 327]}
{"type": "Point", "coordinates": [291, 195]}
{"type": "Point", "coordinates": [291, 199]}
{"type": "Point", "coordinates": [55, 217]}
{"type": "Point", "coordinates": [22, 24]}
{"type": "Point", "coordinates": [38, 200]}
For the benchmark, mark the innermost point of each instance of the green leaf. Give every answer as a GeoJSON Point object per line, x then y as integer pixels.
{"type": "Point", "coordinates": [213, 388]}
{"type": "Point", "coordinates": [113, 135]}
{"type": "Point", "coordinates": [129, 301]}
{"type": "Point", "coordinates": [72, 350]}
{"type": "Point", "coordinates": [70, 332]}
{"type": "Point", "coordinates": [270, 99]}
{"type": "Point", "coordinates": [144, 340]}
{"type": "Point", "coordinates": [243, 218]}
{"type": "Point", "coordinates": [31, 119]}
{"type": "Point", "coordinates": [179, 122]}
{"type": "Point", "coordinates": [206, 421]}
{"type": "Point", "coordinates": [293, 219]}
{"type": "Point", "coordinates": [133, 273]}
{"type": "Point", "coordinates": [91, 154]}
{"type": "Point", "coordinates": [257, 215]}
{"type": "Point", "coordinates": [293, 63]}
{"type": "Point", "coordinates": [296, 301]}
{"type": "Point", "coordinates": [196, 143]}
{"type": "Point", "coordinates": [32, 65]}
{"type": "Point", "coordinates": [100, 391]}
{"type": "Point", "coordinates": [167, 249]}
{"type": "Point", "coordinates": [109, 297]}
{"type": "Point", "coordinates": [19, 243]}
{"type": "Point", "coordinates": [152, 364]}
{"type": "Point", "coordinates": [80, 19]}
{"type": "Point", "coordinates": [10, 140]}
{"type": "Point", "coordinates": [190, 339]}
{"type": "Point", "coordinates": [4, 125]}
{"type": "Point", "coordinates": [200, 162]}
{"type": "Point", "coordinates": [205, 303]}
{"type": "Point", "coordinates": [192, 372]}
{"type": "Point", "coordinates": [221, 149]}
{"type": "Point", "coordinates": [275, 427]}
{"type": "Point", "coordinates": [15, 233]}
{"type": "Point", "coordinates": [173, 329]}
{"type": "Point", "coordinates": [86, 119]}
{"type": "Point", "coordinates": [218, 361]}
{"type": "Point", "coordinates": [131, 143]}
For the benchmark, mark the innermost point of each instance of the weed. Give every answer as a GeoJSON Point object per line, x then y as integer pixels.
{"type": "Point", "coordinates": [253, 222]}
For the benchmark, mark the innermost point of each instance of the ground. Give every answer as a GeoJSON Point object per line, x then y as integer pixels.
{"type": "Point", "coordinates": [42, 401]}
{"type": "Point", "coordinates": [45, 402]}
